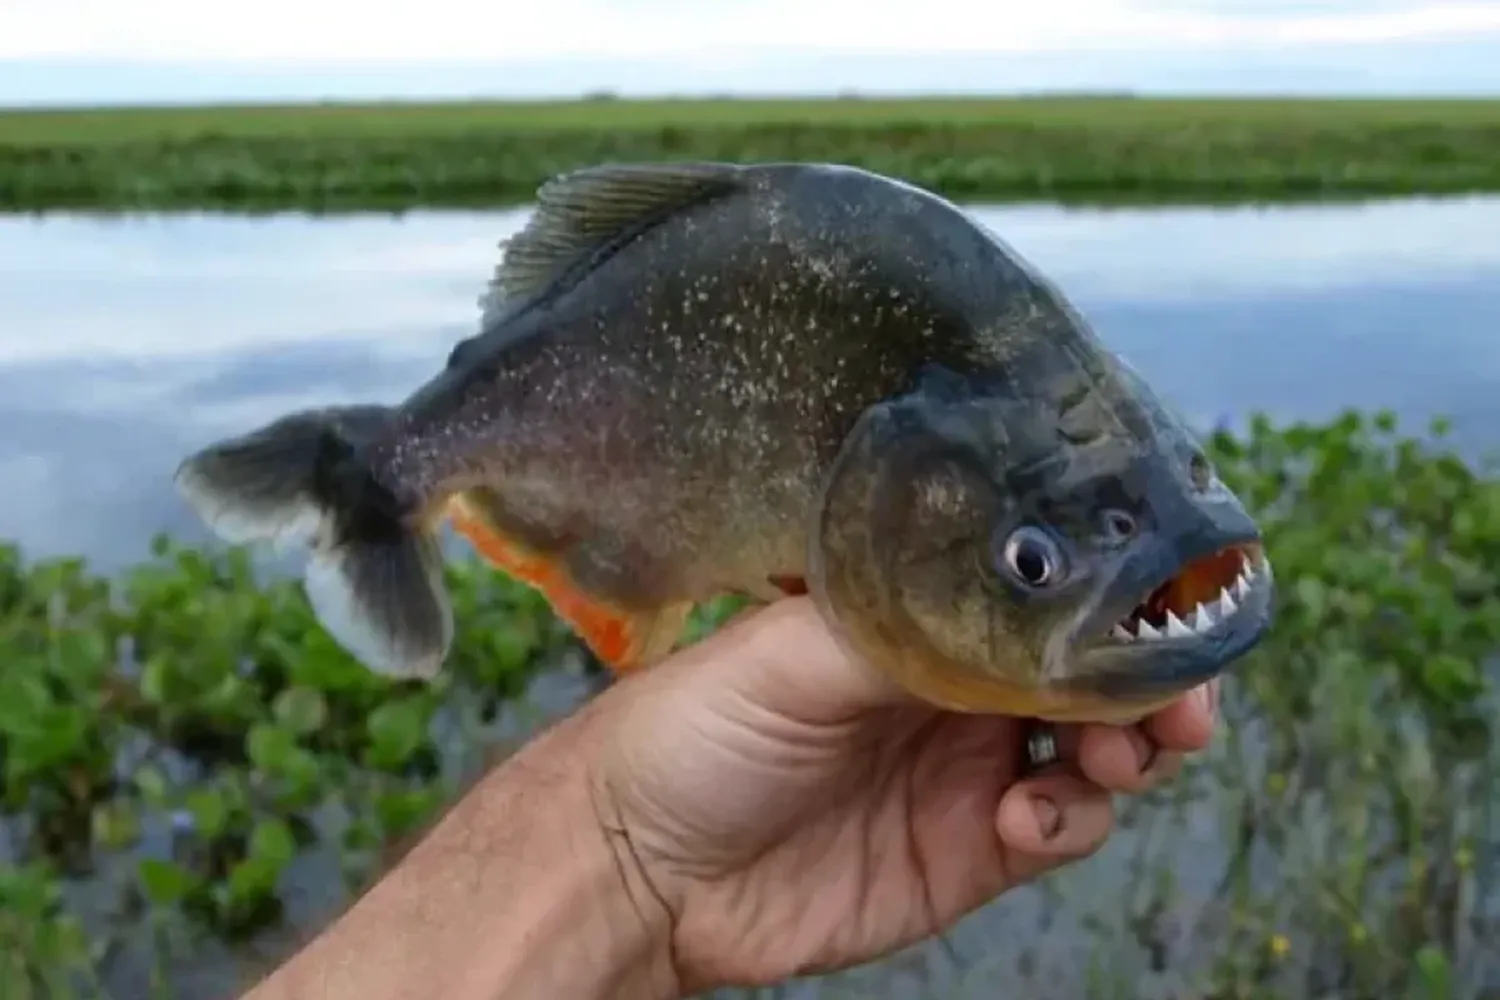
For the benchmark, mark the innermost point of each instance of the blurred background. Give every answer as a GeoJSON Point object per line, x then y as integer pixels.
{"type": "Point", "coordinates": [1284, 214]}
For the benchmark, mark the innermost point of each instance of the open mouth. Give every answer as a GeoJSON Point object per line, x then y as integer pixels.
{"type": "Point", "coordinates": [1202, 598]}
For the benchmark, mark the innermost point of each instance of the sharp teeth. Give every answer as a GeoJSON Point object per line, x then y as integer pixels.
{"type": "Point", "coordinates": [1175, 628]}
{"type": "Point", "coordinates": [1202, 619]}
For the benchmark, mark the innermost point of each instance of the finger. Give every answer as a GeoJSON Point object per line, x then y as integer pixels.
{"type": "Point", "coordinates": [1188, 723]}
{"type": "Point", "coordinates": [1046, 821]}
{"type": "Point", "coordinates": [1124, 758]}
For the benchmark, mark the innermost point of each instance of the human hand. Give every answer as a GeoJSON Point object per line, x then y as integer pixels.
{"type": "Point", "coordinates": [792, 812]}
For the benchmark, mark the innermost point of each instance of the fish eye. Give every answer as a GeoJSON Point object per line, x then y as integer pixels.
{"type": "Point", "coordinates": [1117, 525]}
{"type": "Point", "coordinates": [1032, 556]}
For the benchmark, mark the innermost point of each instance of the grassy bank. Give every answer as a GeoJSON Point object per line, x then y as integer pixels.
{"type": "Point", "coordinates": [347, 157]}
{"type": "Point", "coordinates": [175, 743]}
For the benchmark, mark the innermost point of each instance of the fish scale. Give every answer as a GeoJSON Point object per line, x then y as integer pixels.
{"type": "Point", "coordinates": [693, 379]}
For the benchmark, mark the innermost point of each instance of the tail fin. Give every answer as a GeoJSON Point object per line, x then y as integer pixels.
{"type": "Point", "coordinates": [375, 577]}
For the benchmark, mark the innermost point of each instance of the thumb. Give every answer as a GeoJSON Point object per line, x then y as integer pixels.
{"type": "Point", "coordinates": [784, 659]}
{"type": "Point", "coordinates": [1047, 821]}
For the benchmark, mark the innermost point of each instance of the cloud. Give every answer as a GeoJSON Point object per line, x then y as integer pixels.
{"type": "Point", "coordinates": [352, 30]}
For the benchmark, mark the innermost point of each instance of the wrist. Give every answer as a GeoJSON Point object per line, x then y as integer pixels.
{"type": "Point", "coordinates": [586, 923]}
{"type": "Point", "coordinates": [517, 893]}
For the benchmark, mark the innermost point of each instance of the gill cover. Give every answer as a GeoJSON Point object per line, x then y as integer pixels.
{"type": "Point", "coordinates": [894, 561]}
{"type": "Point", "coordinates": [906, 547]}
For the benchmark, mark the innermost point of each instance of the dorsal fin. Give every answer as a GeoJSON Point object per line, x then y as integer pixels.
{"type": "Point", "coordinates": [582, 212]}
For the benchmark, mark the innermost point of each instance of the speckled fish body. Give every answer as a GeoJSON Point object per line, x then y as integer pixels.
{"type": "Point", "coordinates": [693, 379]}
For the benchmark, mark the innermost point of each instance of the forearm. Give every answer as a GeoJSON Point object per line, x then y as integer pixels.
{"type": "Point", "coordinates": [515, 894]}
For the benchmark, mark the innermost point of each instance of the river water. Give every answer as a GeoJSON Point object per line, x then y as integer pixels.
{"type": "Point", "coordinates": [127, 342]}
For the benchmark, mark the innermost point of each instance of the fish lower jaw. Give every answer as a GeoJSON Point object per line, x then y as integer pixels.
{"type": "Point", "coordinates": [1208, 617]}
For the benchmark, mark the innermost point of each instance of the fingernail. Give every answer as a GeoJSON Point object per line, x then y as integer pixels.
{"type": "Point", "coordinates": [1049, 818]}
{"type": "Point", "coordinates": [1145, 748]}
{"type": "Point", "coordinates": [1209, 695]}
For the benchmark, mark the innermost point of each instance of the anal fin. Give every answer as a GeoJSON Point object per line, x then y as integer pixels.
{"type": "Point", "coordinates": [651, 637]}
{"type": "Point", "coordinates": [623, 640]}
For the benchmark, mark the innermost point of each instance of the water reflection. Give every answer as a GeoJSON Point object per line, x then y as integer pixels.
{"type": "Point", "coordinates": [128, 342]}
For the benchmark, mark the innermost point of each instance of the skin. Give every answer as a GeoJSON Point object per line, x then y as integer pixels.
{"type": "Point", "coordinates": [758, 806]}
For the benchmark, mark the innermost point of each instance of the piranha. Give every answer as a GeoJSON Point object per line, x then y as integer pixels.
{"type": "Point", "coordinates": [691, 379]}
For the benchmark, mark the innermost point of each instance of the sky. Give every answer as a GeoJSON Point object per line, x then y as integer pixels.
{"type": "Point", "coordinates": [113, 51]}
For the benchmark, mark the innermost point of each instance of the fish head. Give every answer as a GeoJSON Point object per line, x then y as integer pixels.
{"type": "Point", "coordinates": [1066, 552]}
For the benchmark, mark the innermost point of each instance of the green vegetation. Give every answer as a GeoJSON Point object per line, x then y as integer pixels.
{"type": "Point", "coordinates": [176, 739]}
{"type": "Point", "coordinates": [346, 157]}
